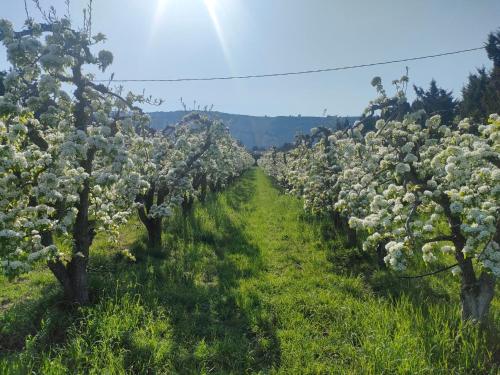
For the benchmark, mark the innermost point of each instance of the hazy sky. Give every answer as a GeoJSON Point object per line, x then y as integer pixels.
{"type": "Point", "coordinates": [195, 38]}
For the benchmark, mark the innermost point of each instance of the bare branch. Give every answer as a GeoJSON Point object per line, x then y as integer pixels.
{"type": "Point", "coordinates": [439, 239]}
{"type": "Point", "coordinates": [68, 13]}
{"type": "Point", "coordinates": [104, 90]}
{"type": "Point", "coordinates": [408, 219]}
{"type": "Point", "coordinates": [26, 10]}
{"type": "Point", "coordinates": [89, 30]}
{"type": "Point", "coordinates": [430, 273]}
{"type": "Point", "coordinates": [40, 9]}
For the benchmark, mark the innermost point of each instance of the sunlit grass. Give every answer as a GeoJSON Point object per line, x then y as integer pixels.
{"type": "Point", "coordinates": [246, 283]}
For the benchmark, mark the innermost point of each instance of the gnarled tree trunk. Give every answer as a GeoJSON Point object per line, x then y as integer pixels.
{"type": "Point", "coordinates": [381, 254]}
{"type": "Point", "coordinates": [187, 204]}
{"type": "Point", "coordinates": [153, 224]}
{"type": "Point", "coordinates": [72, 276]}
{"type": "Point", "coordinates": [203, 191]}
{"type": "Point", "coordinates": [154, 228]}
{"type": "Point", "coordinates": [476, 293]}
{"type": "Point", "coordinates": [476, 298]}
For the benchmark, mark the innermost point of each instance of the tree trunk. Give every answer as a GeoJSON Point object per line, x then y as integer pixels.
{"type": "Point", "coordinates": [352, 238]}
{"type": "Point", "coordinates": [154, 227]}
{"type": "Point", "coordinates": [214, 186]}
{"type": "Point", "coordinates": [341, 223]}
{"type": "Point", "coordinates": [476, 294]}
{"type": "Point", "coordinates": [78, 276]}
{"type": "Point", "coordinates": [381, 253]}
{"type": "Point", "coordinates": [72, 277]}
{"type": "Point", "coordinates": [204, 188]}
{"type": "Point", "coordinates": [83, 234]}
{"type": "Point", "coordinates": [476, 298]}
{"type": "Point", "coordinates": [187, 204]}
{"type": "Point", "coordinates": [61, 273]}
{"type": "Point", "coordinates": [337, 220]}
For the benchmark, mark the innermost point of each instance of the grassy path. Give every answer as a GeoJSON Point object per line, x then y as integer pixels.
{"type": "Point", "coordinates": [301, 317]}
{"type": "Point", "coordinates": [246, 285]}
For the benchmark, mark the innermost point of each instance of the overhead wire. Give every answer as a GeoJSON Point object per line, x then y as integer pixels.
{"type": "Point", "coordinates": [282, 74]}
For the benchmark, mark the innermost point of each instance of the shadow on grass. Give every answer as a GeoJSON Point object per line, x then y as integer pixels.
{"type": "Point", "coordinates": [25, 318]}
{"type": "Point", "coordinates": [350, 259]}
{"type": "Point", "coordinates": [195, 281]}
{"type": "Point", "coordinates": [435, 297]}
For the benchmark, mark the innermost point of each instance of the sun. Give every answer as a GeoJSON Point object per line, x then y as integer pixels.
{"type": "Point", "coordinates": [160, 10]}
{"type": "Point", "coordinates": [212, 9]}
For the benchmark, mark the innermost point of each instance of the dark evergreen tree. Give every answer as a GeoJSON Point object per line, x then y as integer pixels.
{"type": "Point", "coordinates": [2, 87]}
{"type": "Point", "coordinates": [474, 94]}
{"type": "Point", "coordinates": [435, 101]}
{"type": "Point", "coordinates": [342, 124]}
{"type": "Point", "coordinates": [481, 94]}
{"type": "Point", "coordinates": [493, 48]}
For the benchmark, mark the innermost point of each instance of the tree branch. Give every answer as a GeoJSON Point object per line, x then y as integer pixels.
{"type": "Point", "coordinates": [439, 238]}
{"type": "Point", "coordinates": [408, 219]}
{"type": "Point", "coordinates": [104, 90]}
{"type": "Point", "coordinates": [430, 273]}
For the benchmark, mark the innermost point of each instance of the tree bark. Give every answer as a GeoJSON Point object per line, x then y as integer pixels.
{"type": "Point", "coordinates": [187, 204]}
{"type": "Point", "coordinates": [381, 253]}
{"type": "Point", "coordinates": [72, 277]}
{"type": "Point", "coordinates": [153, 227]}
{"type": "Point", "coordinates": [83, 232]}
{"type": "Point", "coordinates": [340, 222]}
{"type": "Point", "coordinates": [475, 294]}
{"type": "Point", "coordinates": [204, 188]}
{"type": "Point", "coordinates": [60, 272]}
{"type": "Point", "coordinates": [476, 299]}
{"type": "Point", "coordinates": [201, 183]}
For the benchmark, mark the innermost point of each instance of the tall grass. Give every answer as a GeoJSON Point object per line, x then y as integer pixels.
{"type": "Point", "coordinates": [246, 283]}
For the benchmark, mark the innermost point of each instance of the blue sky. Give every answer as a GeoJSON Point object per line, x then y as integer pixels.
{"type": "Point", "coordinates": [195, 38]}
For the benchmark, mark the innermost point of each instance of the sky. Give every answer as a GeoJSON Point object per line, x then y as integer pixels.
{"type": "Point", "coordinates": [155, 39]}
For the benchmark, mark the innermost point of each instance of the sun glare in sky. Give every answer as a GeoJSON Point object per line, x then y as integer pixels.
{"type": "Point", "coordinates": [159, 16]}
{"type": "Point", "coordinates": [213, 8]}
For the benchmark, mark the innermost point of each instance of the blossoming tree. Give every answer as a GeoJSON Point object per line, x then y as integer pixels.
{"type": "Point", "coordinates": [436, 189]}
{"type": "Point", "coordinates": [432, 187]}
{"type": "Point", "coordinates": [64, 164]}
{"type": "Point", "coordinates": [181, 162]}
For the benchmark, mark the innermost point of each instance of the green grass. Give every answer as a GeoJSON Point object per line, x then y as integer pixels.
{"type": "Point", "coordinates": [247, 283]}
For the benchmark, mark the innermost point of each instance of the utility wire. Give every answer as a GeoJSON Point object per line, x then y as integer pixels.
{"type": "Point", "coordinates": [294, 73]}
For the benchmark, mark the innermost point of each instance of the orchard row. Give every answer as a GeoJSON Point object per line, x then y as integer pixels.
{"type": "Point", "coordinates": [78, 157]}
{"type": "Point", "coordinates": [408, 184]}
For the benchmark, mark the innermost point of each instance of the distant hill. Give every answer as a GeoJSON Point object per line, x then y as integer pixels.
{"type": "Point", "coordinates": [257, 131]}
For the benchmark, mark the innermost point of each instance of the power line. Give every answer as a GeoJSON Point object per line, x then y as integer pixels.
{"type": "Point", "coordinates": [294, 73]}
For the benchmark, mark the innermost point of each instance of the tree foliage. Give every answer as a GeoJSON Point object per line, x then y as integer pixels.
{"type": "Point", "coordinates": [481, 94]}
{"type": "Point", "coordinates": [435, 101]}
{"type": "Point", "coordinates": [76, 162]}
{"type": "Point", "coordinates": [409, 187]}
